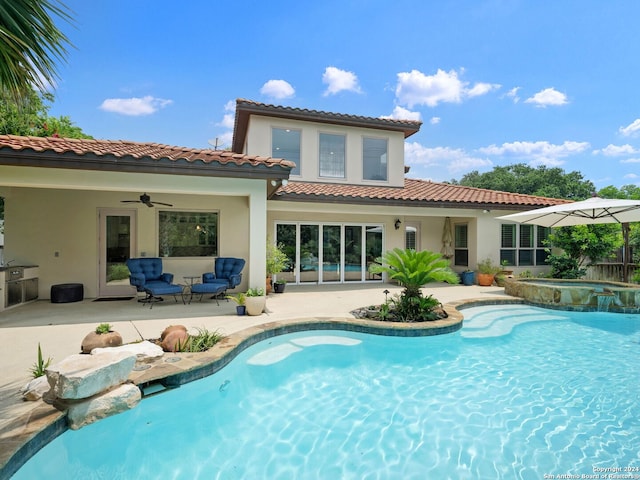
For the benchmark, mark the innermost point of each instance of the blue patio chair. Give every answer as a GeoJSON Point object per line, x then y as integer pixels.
{"type": "Point", "coordinates": [147, 276]}
{"type": "Point", "coordinates": [228, 272]}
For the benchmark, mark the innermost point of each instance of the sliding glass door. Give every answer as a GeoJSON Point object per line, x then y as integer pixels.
{"type": "Point", "coordinates": [329, 253]}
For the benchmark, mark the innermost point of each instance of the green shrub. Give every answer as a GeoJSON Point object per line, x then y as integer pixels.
{"type": "Point", "coordinates": [117, 271]}
{"type": "Point", "coordinates": [255, 292]}
{"type": "Point", "coordinates": [412, 270]}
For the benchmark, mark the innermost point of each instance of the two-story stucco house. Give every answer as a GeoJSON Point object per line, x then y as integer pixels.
{"type": "Point", "coordinates": [331, 187]}
{"type": "Point", "coordinates": [348, 199]}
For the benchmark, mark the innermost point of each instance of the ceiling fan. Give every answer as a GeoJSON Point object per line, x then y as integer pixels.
{"type": "Point", "coordinates": [146, 199]}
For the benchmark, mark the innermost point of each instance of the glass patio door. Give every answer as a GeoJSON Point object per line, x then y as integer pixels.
{"type": "Point", "coordinates": [116, 244]}
{"type": "Point", "coordinates": [329, 253]}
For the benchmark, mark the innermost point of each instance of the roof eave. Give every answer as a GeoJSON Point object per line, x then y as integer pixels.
{"type": "Point", "coordinates": [245, 109]}
{"type": "Point", "coordinates": [110, 163]}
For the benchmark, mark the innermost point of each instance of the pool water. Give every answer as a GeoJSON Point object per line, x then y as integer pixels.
{"type": "Point", "coordinates": [519, 392]}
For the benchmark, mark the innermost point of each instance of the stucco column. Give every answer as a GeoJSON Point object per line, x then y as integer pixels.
{"type": "Point", "coordinates": [258, 236]}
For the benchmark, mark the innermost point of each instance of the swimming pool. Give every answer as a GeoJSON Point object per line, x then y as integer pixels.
{"type": "Point", "coordinates": [552, 392]}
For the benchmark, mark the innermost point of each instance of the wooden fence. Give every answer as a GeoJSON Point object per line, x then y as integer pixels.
{"type": "Point", "coordinates": [610, 272]}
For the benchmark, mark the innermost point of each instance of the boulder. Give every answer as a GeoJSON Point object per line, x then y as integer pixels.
{"type": "Point", "coordinates": [100, 340]}
{"type": "Point", "coordinates": [175, 340]}
{"type": "Point", "coordinates": [172, 328]}
{"type": "Point", "coordinates": [35, 389]}
{"type": "Point", "coordinates": [145, 351]}
{"type": "Point", "coordinates": [82, 376]}
{"type": "Point", "coordinates": [117, 400]}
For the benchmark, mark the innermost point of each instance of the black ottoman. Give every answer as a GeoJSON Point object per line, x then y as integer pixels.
{"type": "Point", "coordinates": [67, 293]}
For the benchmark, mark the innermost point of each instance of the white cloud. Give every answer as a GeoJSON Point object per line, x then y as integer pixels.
{"type": "Point", "coordinates": [513, 94]}
{"type": "Point", "coordinates": [632, 176]}
{"type": "Point", "coordinates": [339, 80]}
{"type": "Point", "coordinates": [434, 120]}
{"type": "Point", "coordinates": [455, 160]}
{"type": "Point", "coordinates": [630, 160]}
{"type": "Point", "coordinates": [632, 129]}
{"type": "Point", "coordinates": [416, 88]}
{"type": "Point", "coordinates": [548, 96]}
{"type": "Point", "coordinates": [537, 153]}
{"type": "Point", "coordinates": [278, 89]}
{"type": "Point", "coordinates": [400, 113]}
{"type": "Point", "coordinates": [616, 150]}
{"type": "Point", "coordinates": [135, 106]}
{"type": "Point", "coordinates": [482, 89]}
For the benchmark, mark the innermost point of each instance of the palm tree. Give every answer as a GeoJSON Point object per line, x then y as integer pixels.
{"type": "Point", "coordinates": [30, 44]}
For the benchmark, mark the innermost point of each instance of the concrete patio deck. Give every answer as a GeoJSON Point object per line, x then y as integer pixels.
{"type": "Point", "coordinates": [60, 328]}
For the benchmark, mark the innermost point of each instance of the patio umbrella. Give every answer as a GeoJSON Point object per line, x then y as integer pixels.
{"type": "Point", "coordinates": [592, 211]}
{"type": "Point", "coordinates": [447, 239]}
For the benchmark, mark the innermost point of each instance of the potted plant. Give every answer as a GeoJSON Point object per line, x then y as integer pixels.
{"type": "Point", "coordinates": [277, 260]}
{"type": "Point", "coordinates": [467, 277]}
{"type": "Point", "coordinates": [278, 286]}
{"type": "Point", "coordinates": [486, 272]}
{"type": "Point", "coordinates": [503, 274]}
{"type": "Point", "coordinates": [255, 301]}
{"type": "Point", "coordinates": [101, 337]}
{"type": "Point", "coordinates": [240, 299]}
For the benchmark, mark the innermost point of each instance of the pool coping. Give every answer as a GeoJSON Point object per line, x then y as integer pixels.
{"type": "Point", "coordinates": [45, 423]}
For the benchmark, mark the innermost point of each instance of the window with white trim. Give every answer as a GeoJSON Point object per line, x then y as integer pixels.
{"type": "Point", "coordinates": [285, 143]}
{"type": "Point", "coordinates": [187, 234]}
{"type": "Point", "coordinates": [374, 158]}
{"type": "Point", "coordinates": [523, 245]}
{"type": "Point", "coordinates": [332, 155]}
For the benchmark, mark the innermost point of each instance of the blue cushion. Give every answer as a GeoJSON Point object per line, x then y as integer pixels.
{"type": "Point", "coordinates": [227, 269]}
{"type": "Point", "coordinates": [163, 289]}
{"type": "Point", "coordinates": [208, 288]}
{"type": "Point", "coordinates": [147, 270]}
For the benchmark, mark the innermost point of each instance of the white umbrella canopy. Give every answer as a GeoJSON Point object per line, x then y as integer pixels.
{"type": "Point", "coordinates": [592, 211]}
{"type": "Point", "coordinates": [586, 212]}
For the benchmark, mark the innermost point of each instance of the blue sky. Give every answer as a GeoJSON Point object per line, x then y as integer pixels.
{"type": "Point", "coordinates": [494, 82]}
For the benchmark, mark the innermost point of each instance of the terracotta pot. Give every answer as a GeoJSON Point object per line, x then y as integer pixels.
{"type": "Point", "coordinates": [485, 279]}
{"type": "Point", "coordinates": [255, 305]}
{"type": "Point", "coordinates": [268, 288]}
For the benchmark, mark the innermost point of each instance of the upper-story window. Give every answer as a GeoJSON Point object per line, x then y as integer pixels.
{"type": "Point", "coordinates": [332, 155]}
{"type": "Point", "coordinates": [374, 158]}
{"type": "Point", "coordinates": [285, 143]}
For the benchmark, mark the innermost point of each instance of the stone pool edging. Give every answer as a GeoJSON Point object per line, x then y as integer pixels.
{"type": "Point", "coordinates": [48, 423]}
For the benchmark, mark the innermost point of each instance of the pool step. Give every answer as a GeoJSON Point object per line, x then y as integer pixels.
{"type": "Point", "coordinates": [498, 323]}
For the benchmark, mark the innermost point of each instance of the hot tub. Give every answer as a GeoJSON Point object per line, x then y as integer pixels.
{"type": "Point", "coordinates": [581, 295]}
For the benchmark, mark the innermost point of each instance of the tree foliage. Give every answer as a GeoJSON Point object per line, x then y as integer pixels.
{"type": "Point", "coordinates": [628, 192]}
{"type": "Point", "coordinates": [30, 44]}
{"type": "Point", "coordinates": [31, 117]}
{"type": "Point", "coordinates": [582, 245]}
{"type": "Point", "coordinates": [521, 178]}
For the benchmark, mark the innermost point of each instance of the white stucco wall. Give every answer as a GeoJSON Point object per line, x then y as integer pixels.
{"type": "Point", "coordinates": [259, 143]}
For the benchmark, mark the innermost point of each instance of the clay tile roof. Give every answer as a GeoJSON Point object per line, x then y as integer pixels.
{"type": "Point", "coordinates": [246, 108]}
{"type": "Point", "coordinates": [415, 193]}
{"type": "Point", "coordinates": [127, 149]}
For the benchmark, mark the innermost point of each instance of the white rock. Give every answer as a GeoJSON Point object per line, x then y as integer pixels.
{"type": "Point", "coordinates": [117, 400]}
{"type": "Point", "coordinates": [82, 376]}
{"type": "Point", "coordinates": [144, 351]}
{"type": "Point", "coordinates": [35, 389]}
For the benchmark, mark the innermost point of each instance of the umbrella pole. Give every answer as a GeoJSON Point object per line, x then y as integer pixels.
{"type": "Point", "coordinates": [625, 259]}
